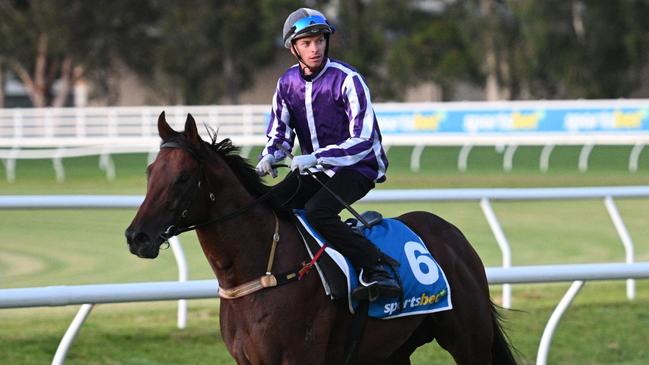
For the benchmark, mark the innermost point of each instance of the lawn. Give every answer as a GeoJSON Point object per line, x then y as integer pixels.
{"type": "Point", "coordinates": [57, 247]}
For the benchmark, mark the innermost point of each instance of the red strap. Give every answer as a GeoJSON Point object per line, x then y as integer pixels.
{"type": "Point", "coordinates": [306, 268]}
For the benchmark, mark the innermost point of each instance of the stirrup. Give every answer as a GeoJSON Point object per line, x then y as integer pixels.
{"type": "Point", "coordinates": [369, 293]}
{"type": "Point", "coordinates": [366, 291]}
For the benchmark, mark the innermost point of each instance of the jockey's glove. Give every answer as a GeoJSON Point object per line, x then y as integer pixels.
{"type": "Point", "coordinates": [265, 166]}
{"type": "Point", "coordinates": [303, 162]}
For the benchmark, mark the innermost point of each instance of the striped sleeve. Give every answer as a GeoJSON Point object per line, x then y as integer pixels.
{"type": "Point", "coordinates": [361, 123]}
{"type": "Point", "coordinates": [278, 130]}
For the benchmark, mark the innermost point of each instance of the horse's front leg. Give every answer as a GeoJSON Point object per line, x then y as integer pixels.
{"type": "Point", "coordinates": [306, 340]}
{"type": "Point", "coordinates": [240, 329]}
{"type": "Point", "coordinates": [277, 327]}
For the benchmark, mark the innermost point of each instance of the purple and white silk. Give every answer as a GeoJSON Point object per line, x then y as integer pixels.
{"type": "Point", "coordinates": [332, 117]}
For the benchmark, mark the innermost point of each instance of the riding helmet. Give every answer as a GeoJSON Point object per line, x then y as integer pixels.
{"type": "Point", "coordinates": [305, 22]}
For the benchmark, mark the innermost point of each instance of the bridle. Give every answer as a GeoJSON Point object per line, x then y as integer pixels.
{"type": "Point", "coordinates": [268, 280]}
{"type": "Point", "coordinates": [189, 195]}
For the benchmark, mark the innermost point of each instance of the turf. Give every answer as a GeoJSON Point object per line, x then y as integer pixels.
{"type": "Point", "coordinates": [54, 247]}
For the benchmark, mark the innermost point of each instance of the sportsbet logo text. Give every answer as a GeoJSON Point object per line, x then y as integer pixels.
{"type": "Point", "coordinates": [415, 301]}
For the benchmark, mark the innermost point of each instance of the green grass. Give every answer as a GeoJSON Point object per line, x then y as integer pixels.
{"type": "Point", "coordinates": [600, 328]}
{"type": "Point", "coordinates": [59, 247]}
{"type": "Point", "coordinates": [142, 333]}
{"type": "Point", "coordinates": [607, 166]}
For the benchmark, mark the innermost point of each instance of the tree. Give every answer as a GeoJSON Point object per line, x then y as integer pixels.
{"type": "Point", "coordinates": [196, 52]}
{"type": "Point", "coordinates": [359, 39]}
{"type": "Point", "coordinates": [575, 49]}
{"type": "Point", "coordinates": [432, 49]}
{"type": "Point", "coordinates": [555, 48]}
{"type": "Point", "coordinates": [612, 48]}
{"type": "Point", "coordinates": [2, 82]}
{"type": "Point", "coordinates": [204, 50]}
{"type": "Point", "coordinates": [398, 45]}
{"type": "Point", "coordinates": [44, 42]}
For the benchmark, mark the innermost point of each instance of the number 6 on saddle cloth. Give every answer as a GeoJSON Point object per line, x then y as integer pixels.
{"type": "Point", "coordinates": [424, 284]}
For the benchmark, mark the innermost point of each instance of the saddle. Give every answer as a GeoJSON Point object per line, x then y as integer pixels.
{"type": "Point", "coordinates": [371, 217]}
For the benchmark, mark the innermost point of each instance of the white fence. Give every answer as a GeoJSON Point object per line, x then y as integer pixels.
{"type": "Point", "coordinates": [57, 133]}
{"type": "Point", "coordinates": [508, 275]}
{"type": "Point", "coordinates": [118, 293]}
{"type": "Point", "coordinates": [484, 196]}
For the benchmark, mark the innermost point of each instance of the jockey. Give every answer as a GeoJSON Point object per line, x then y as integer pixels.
{"type": "Point", "coordinates": [326, 104]}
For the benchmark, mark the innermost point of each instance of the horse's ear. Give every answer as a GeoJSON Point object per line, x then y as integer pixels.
{"type": "Point", "coordinates": [191, 132]}
{"type": "Point", "coordinates": [164, 130]}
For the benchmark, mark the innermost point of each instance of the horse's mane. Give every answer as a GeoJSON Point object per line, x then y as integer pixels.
{"type": "Point", "coordinates": [245, 172]}
{"type": "Point", "coordinates": [241, 167]}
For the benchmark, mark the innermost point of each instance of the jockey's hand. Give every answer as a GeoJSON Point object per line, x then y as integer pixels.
{"type": "Point", "coordinates": [265, 166]}
{"type": "Point", "coordinates": [303, 162]}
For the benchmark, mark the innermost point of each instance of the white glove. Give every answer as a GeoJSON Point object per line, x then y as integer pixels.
{"type": "Point", "coordinates": [303, 162]}
{"type": "Point", "coordinates": [265, 166]}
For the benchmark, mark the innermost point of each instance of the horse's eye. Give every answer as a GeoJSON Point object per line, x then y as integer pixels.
{"type": "Point", "coordinates": [183, 178]}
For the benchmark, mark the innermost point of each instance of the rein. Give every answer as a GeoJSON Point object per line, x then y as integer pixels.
{"type": "Point", "coordinates": [175, 229]}
{"type": "Point", "coordinates": [267, 280]}
{"type": "Point", "coordinates": [172, 230]}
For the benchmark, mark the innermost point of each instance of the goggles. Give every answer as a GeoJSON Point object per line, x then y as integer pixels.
{"type": "Point", "coordinates": [304, 24]}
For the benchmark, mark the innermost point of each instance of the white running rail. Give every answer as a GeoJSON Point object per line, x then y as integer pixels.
{"type": "Point", "coordinates": [481, 195]}
{"type": "Point", "coordinates": [57, 133]}
{"type": "Point", "coordinates": [196, 289]}
{"type": "Point", "coordinates": [484, 196]}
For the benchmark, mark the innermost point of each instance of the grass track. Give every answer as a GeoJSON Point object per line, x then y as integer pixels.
{"type": "Point", "coordinates": [46, 247]}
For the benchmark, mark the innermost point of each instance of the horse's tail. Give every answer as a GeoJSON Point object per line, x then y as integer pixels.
{"type": "Point", "coordinates": [501, 348]}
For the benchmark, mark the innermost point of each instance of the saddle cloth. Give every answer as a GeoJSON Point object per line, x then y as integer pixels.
{"type": "Point", "coordinates": [424, 284]}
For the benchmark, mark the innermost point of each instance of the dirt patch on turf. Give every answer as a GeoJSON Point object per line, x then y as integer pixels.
{"type": "Point", "coordinates": [19, 264]}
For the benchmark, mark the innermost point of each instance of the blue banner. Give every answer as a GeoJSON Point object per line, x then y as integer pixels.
{"type": "Point", "coordinates": [510, 121]}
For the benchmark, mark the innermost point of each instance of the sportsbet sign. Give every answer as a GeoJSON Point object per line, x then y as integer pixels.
{"type": "Point", "coordinates": [473, 118]}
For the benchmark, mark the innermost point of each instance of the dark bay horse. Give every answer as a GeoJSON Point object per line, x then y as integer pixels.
{"type": "Point", "coordinates": [194, 184]}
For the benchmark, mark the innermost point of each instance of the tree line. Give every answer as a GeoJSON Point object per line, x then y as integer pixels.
{"type": "Point", "coordinates": [197, 51]}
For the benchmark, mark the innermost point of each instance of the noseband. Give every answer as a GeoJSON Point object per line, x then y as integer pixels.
{"type": "Point", "coordinates": [188, 195]}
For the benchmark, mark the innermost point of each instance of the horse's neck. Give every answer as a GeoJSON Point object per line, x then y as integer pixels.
{"type": "Point", "coordinates": [238, 248]}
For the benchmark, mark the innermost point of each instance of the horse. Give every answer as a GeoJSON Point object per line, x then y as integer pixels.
{"type": "Point", "coordinates": [208, 187]}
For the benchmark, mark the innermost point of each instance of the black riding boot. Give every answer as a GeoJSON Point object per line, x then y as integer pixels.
{"type": "Point", "coordinates": [377, 281]}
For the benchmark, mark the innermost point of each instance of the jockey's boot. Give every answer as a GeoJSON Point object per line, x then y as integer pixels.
{"type": "Point", "coordinates": [376, 282]}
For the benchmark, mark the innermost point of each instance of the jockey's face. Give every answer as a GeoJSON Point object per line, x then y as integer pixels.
{"type": "Point", "coordinates": [311, 49]}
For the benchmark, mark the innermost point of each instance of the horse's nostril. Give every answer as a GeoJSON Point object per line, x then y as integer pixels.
{"type": "Point", "coordinates": [133, 237]}
{"type": "Point", "coordinates": [141, 237]}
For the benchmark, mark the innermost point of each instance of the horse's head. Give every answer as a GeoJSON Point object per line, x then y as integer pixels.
{"type": "Point", "coordinates": [173, 186]}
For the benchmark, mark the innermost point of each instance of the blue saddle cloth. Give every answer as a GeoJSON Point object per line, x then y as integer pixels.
{"type": "Point", "coordinates": [424, 284]}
